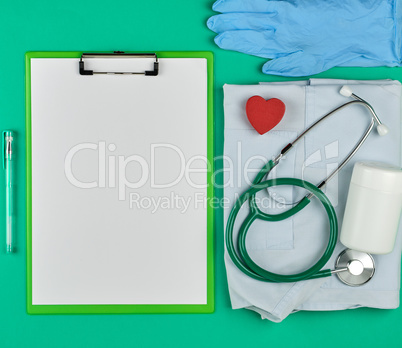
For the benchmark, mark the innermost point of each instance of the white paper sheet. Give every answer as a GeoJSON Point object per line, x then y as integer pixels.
{"type": "Point", "coordinates": [97, 239]}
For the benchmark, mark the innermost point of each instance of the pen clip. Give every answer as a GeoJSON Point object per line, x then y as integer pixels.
{"type": "Point", "coordinates": [3, 148]}
{"type": "Point", "coordinates": [4, 145]}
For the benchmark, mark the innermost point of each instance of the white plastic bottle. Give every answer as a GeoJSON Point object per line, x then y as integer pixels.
{"type": "Point", "coordinates": [373, 208]}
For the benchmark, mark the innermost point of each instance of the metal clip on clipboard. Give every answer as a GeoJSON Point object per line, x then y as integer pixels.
{"type": "Point", "coordinates": [119, 54]}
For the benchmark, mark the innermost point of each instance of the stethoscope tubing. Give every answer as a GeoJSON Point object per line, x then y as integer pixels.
{"type": "Point", "coordinates": [243, 260]}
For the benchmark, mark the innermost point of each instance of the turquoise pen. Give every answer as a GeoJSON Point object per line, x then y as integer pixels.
{"type": "Point", "coordinates": [8, 159]}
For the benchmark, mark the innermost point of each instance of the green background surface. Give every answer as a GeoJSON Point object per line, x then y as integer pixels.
{"type": "Point", "coordinates": [131, 25]}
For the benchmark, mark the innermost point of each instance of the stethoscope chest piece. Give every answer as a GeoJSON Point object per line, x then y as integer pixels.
{"type": "Point", "coordinates": [354, 268]}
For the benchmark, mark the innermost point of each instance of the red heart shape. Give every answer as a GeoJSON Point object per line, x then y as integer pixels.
{"type": "Point", "coordinates": [264, 114]}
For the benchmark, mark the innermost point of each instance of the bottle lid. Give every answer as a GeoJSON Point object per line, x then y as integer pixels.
{"type": "Point", "coordinates": [378, 176]}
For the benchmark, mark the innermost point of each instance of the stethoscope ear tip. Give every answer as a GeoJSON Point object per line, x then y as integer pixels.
{"type": "Point", "coordinates": [346, 91]}
{"type": "Point", "coordinates": [382, 129]}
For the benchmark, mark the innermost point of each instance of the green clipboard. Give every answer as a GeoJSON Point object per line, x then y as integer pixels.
{"type": "Point", "coordinates": [207, 307]}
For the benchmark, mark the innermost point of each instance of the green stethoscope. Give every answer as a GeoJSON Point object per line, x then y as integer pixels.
{"type": "Point", "coordinates": [242, 259]}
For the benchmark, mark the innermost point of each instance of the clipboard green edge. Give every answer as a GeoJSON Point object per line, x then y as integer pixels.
{"type": "Point", "coordinates": [129, 308]}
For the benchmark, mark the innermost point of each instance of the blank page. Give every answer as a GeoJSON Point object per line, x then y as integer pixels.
{"type": "Point", "coordinates": [119, 182]}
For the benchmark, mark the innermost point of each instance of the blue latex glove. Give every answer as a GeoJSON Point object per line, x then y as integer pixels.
{"type": "Point", "coordinates": [305, 37]}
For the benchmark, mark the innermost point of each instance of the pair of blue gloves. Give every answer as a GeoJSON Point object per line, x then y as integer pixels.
{"type": "Point", "coordinates": [306, 37]}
